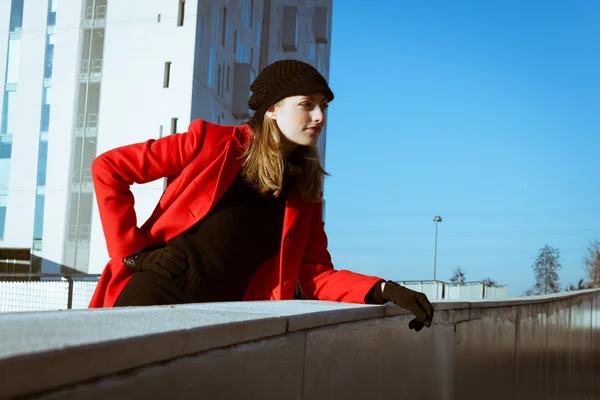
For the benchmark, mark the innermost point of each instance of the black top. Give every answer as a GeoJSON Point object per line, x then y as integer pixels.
{"type": "Point", "coordinates": [236, 237]}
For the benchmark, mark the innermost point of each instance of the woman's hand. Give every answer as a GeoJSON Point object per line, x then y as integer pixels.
{"type": "Point", "coordinates": [415, 302]}
{"type": "Point", "coordinates": [166, 261]}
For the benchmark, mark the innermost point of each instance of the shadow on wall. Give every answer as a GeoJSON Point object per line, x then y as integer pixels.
{"type": "Point", "coordinates": [22, 261]}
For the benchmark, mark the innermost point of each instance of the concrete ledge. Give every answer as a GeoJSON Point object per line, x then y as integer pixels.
{"type": "Point", "coordinates": [308, 349]}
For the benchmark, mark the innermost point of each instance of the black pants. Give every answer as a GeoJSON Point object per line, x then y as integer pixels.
{"type": "Point", "coordinates": [147, 288]}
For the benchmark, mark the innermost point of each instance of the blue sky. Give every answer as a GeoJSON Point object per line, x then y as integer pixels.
{"type": "Point", "coordinates": [486, 113]}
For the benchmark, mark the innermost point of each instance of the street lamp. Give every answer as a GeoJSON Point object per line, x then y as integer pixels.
{"type": "Point", "coordinates": [436, 219]}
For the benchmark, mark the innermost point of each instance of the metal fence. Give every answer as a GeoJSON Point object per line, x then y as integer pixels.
{"type": "Point", "coordinates": [45, 292]}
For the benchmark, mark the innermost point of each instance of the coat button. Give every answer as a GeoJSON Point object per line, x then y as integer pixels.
{"type": "Point", "coordinates": [287, 242]}
{"type": "Point", "coordinates": [287, 285]}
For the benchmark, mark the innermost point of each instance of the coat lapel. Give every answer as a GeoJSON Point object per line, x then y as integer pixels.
{"type": "Point", "coordinates": [293, 211]}
{"type": "Point", "coordinates": [232, 163]}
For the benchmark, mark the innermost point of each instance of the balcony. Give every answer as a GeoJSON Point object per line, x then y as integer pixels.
{"type": "Point", "coordinates": [91, 69]}
{"type": "Point", "coordinates": [79, 233]}
{"type": "Point", "coordinates": [87, 123]}
{"type": "Point", "coordinates": [85, 179]}
{"type": "Point", "coordinates": [95, 15]}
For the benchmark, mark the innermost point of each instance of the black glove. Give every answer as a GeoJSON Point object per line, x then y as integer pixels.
{"type": "Point", "coordinates": [165, 261]}
{"type": "Point", "coordinates": [415, 302]}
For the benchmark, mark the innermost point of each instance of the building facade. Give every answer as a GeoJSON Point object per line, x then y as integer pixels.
{"type": "Point", "coordinates": [84, 76]}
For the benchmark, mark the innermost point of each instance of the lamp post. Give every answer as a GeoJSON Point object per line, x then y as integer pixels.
{"type": "Point", "coordinates": [436, 219]}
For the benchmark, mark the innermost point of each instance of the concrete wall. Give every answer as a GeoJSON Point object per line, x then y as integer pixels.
{"type": "Point", "coordinates": [531, 348]}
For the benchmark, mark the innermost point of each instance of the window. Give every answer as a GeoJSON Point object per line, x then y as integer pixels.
{"type": "Point", "coordinates": [200, 34]}
{"type": "Point", "coordinates": [3, 201]}
{"type": "Point", "coordinates": [42, 163]}
{"type": "Point", "coordinates": [235, 41]}
{"type": "Point", "coordinates": [227, 80]}
{"type": "Point", "coordinates": [181, 13]}
{"type": "Point", "coordinates": [320, 24]}
{"type": "Point", "coordinates": [211, 66]}
{"type": "Point", "coordinates": [224, 26]}
{"type": "Point", "coordinates": [72, 217]}
{"type": "Point", "coordinates": [219, 78]}
{"type": "Point", "coordinates": [38, 222]}
{"type": "Point", "coordinates": [97, 51]}
{"type": "Point", "coordinates": [247, 6]}
{"type": "Point", "coordinates": [258, 33]}
{"type": "Point", "coordinates": [244, 12]}
{"type": "Point", "coordinates": [12, 64]}
{"type": "Point", "coordinates": [5, 154]}
{"type": "Point", "coordinates": [8, 112]}
{"type": "Point", "coordinates": [167, 75]}
{"type": "Point", "coordinates": [215, 22]}
{"type": "Point", "coordinates": [79, 220]}
{"type": "Point", "coordinates": [92, 51]}
{"type": "Point", "coordinates": [92, 105]}
{"type": "Point", "coordinates": [46, 103]}
{"type": "Point", "coordinates": [51, 12]}
{"type": "Point", "coordinates": [251, 12]}
{"type": "Point", "coordinates": [49, 57]}
{"type": "Point", "coordinates": [5, 150]}
{"type": "Point", "coordinates": [173, 126]}
{"type": "Point", "coordinates": [16, 15]}
{"type": "Point", "coordinates": [95, 10]}
{"type": "Point", "coordinates": [84, 153]}
{"type": "Point", "coordinates": [289, 40]}
{"type": "Point", "coordinates": [228, 33]}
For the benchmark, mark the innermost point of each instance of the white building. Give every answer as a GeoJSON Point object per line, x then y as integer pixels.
{"type": "Point", "coordinates": [84, 76]}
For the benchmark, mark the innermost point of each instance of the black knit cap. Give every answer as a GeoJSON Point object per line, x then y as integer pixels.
{"type": "Point", "coordinates": [285, 78]}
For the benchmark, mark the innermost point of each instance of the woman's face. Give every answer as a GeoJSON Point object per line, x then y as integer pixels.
{"type": "Point", "coordinates": [300, 118]}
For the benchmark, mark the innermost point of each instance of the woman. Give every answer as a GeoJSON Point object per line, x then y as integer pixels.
{"type": "Point", "coordinates": [241, 217]}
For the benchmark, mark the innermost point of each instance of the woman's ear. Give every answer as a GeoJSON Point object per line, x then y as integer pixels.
{"type": "Point", "coordinates": [272, 112]}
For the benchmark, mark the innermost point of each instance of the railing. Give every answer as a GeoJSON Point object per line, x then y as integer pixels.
{"type": "Point", "coordinates": [91, 122]}
{"type": "Point", "coordinates": [457, 291]}
{"type": "Point", "coordinates": [79, 233]}
{"type": "Point", "coordinates": [45, 292]}
{"type": "Point", "coordinates": [84, 180]}
{"type": "Point", "coordinates": [97, 13]}
{"type": "Point", "coordinates": [93, 67]}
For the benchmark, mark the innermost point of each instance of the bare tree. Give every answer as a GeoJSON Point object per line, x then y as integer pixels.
{"type": "Point", "coordinates": [458, 276]}
{"type": "Point", "coordinates": [489, 282]}
{"type": "Point", "coordinates": [546, 268]}
{"type": "Point", "coordinates": [580, 285]}
{"type": "Point", "coordinates": [592, 263]}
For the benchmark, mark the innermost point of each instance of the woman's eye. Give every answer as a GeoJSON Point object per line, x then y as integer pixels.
{"type": "Point", "coordinates": [307, 105]}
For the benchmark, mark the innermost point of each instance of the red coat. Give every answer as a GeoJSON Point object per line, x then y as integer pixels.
{"type": "Point", "coordinates": [200, 166]}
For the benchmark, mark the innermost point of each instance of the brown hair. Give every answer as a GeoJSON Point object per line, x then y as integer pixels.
{"type": "Point", "coordinates": [264, 162]}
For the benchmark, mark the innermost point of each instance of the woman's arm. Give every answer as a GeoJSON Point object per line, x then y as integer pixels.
{"type": "Point", "coordinates": [116, 170]}
{"type": "Point", "coordinates": [319, 280]}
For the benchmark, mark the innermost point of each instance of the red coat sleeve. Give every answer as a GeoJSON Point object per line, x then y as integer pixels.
{"type": "Point", "coordinates": [319, 280]}
{"type": "Point", "coordinates": [116, 170]}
